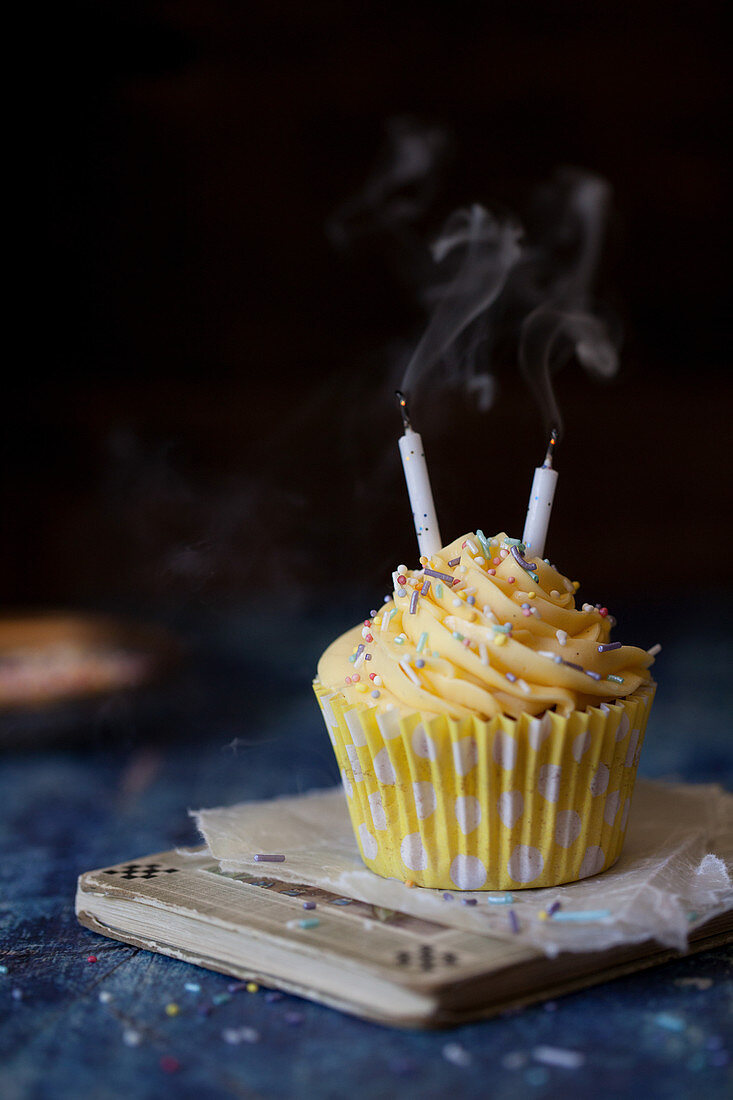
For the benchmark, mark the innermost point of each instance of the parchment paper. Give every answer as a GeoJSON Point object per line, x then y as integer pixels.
{"type": "Point", "coordinates": [674, 873]}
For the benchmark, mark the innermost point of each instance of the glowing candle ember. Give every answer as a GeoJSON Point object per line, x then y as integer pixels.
{"type": "Point", "coordinates": [540, 503]}
{"type": "Point", "coordinates": [418, 485]}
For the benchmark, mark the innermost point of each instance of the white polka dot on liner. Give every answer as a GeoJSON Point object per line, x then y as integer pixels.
{"type": "Point", "coordinates": [358, 735]}
{"type": "Point", "coordinates": [467, 872]}
{"type": "Point", "coordinates": [505, 750]}
{"type": "Point", "coordinates": [383, 768]}
{"type": "Point", "coordinates": [347, 784]}
{"type": "Point", "coordinates": [465, 755]}
{"type": "Point", "coordinates": [468, 813]}
{"type": "Point", "coordinates": [623, 727]}
{"type": "Point", "coordinates": [510, 805]}
{"type": "Point", "coordinates": [389, 725]}
{"type": "Point", "coordinates": [525, 863]}
{"type": "Point", "coordinates": [548, 781]}
{"type": "Point", "coordinates": [539, 731]}
{"type": "Point", "coordinates": [422, 744]}
{"type": "Point", "coordinates": [631, 750]}
{"type": "Point", "coordinates": [425, 798]}
{"type": "Point", "coordinates": [369, 845]}
{"type": "Point", "coordinates": [567, 828]}
{"type": "Point", "coordinates": [378, 815]}
{"type": "Point", "coordinates": [611, 808]}
{"type": "Point", "coordinates": [356, 772]}
{"type": "Point", "coordinates": [593, 861]}
{"type": "Point", "coordinates": [599, 782]}
{"type": "Point", "coordinates": [413, 853]}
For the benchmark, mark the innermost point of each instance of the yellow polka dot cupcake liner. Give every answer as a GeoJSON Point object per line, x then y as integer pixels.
{"type": "Point", "coordinates": [503, 804]}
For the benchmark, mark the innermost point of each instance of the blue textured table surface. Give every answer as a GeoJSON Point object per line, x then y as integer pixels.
{"type": "Point", "coordinates": [119, 785]}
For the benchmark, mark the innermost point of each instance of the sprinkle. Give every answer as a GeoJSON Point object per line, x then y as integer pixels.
{"type": "Point", "coordinates": [409, 671]}
{"type": "Point", "coordinates": [531, 595]}
{"type": "Point", "coordinates": [367, 656]}
{"type": "Point", "coordinates": [340, 901]}
{"type": "Point", "coordinates": [236, 1035]}
{"type": "Point", "coordinates": [492, 572]}
{"type": "Point", "coordinates": [511, 580]}
{"type": "Point", "coordinates": [471, 600]}
{"type": "Point", "coordinates": [559, 1056]}
{"type": "Point", "coordinates": [425, 588]}
{"type": "Point", "coordinates": [499, 639]}
{"type": "Point", "coordinates": [413, 602]}
{"type": "Point", "coordinates": [582, 914]}
{"type": "Point", "coordinates": [603, 612]}
{"type": "Point", "coordinates": [480, 561]}
{"type": "Point", "coordinates": [515, 542]}
{"type": "Point", "coordinates": [401, 578]}
{"type": "Point", "coordinates": [552, 909]}
{"type": "Point", "coordinates": [401, 593]}
{"type": "Point", "coordinates": [593, 675]}
{"type": "Point", "coordinates": [455, 561]}
{"type": "Point", "coordinates": [439, 591]}
{"type": "Point", "coordinates": [554, 593]}
{"type": "Point", "coordinates": [588, 607]}
{"type": "Point", "coordinates": [422, 641]}
{"type": "Point", "coordinates": [500, 899]}
{"type": "Point", "coordinates": [511, 677]}
{"type": "Point", "coordinates": [485, 546]}
{"type": "Point", "coordinates": [172, 1009]}
{"type": "Point", "coordinates": [169, 1064]}
{"type": "Point", "coordinates": [419, 663]}
{"type": "Point", "coordinates": [483, 653]}
{"type": "Point", "coordinates": [440, 576]}
{"type": "Point", "coordinates": [654, 650]}
{"type": "Point", "coordinates": [524, 686]}
{"type": "Point", "coordinates": [91, 958]}
{"type": "Point", "coordinates": [377, 678]}
{"type": "Point", "coordinates": [399, 640]}
{"type": "Point", "coordinates": [669, 1021]}
{"type": "Point", "coordinates": [571, 664]}
{"type": "Point", "coordinates": [457, 1055]}
{"type": "Point", "coordinates": [513, 921]}
{"type": "Point", "coordinates": [309, 922]}
{"type": "Point", "coordinates": [468, 901]}
{"type": "Point", "coordinates": [387, 618]}
{"type": "Point", "coordinates": [192, 987]}
{"type": "Point", "coordinates": [615, 679]}
{"type": "Point", "coordinates": [263, 857]}
{"type": "Point", "coordinates": [472, 546]}
{"type": "Point", "coordinates": [457, 602]}
{"type": "Point", "coordinates": [562, 637]}
{"type": "Point", "coordinates": [528, 566]}
{"type": "Point", "coordinates": [252, 987]}
{"type": "Point", "coordinates": [447, 896]}
{"type": "Point", "coordinates": [457, 636]}
{"type": "Point", "coordinates": [375, 694]}
{"type": "Point", "coordinates": [608, 646]}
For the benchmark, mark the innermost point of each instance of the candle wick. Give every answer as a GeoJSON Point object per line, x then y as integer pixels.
{"type": "Point", "coordinates": [547, 464]}
{"type": "Point", "coordinates": [403, 410]}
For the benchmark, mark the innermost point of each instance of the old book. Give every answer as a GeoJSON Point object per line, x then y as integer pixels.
{"type": "Point", "coordinates": [377, 963]}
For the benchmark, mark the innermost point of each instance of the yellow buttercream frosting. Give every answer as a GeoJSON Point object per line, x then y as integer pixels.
{"type": "Point", "coordinates": [495, 633]}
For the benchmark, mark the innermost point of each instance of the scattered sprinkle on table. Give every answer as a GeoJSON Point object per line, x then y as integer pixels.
{"type": "Point", "coordinates": [457, 1055]}
{"type": "Point", "coordinates": [581, 914]}
{"type": "Point", "coordinates": [105, 997]}
{"type": "Point", "coordinates": [169, 1064]}
{"type": "Point", "coordinates": [131, 1038]}
{"type": "Point", "coordinates": [264, 857]}
{"type": "Point", "coordinates": [172, 1009]}
{"type": "Point", "coordinates": [192, 987]}
{"type": "Point", "coordinates": [309, 922]}
{"type": "Point", "coordinates": [91, 958]}
{"type": "Point", "coordinates": [559, 1056]}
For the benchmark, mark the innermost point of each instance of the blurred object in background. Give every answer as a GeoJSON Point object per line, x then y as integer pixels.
{"type": "Point", "coordinates": [59, 670]}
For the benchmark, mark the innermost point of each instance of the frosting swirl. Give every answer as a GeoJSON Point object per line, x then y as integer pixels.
{"type": "Point", "coordinates": [480, 630]}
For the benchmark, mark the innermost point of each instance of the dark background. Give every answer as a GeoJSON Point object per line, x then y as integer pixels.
{"type": "Point", "coordinates": [207, 408]}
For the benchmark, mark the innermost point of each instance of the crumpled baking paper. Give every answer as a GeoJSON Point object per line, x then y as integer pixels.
{"type": "Point", "coordinates": [674, 873]}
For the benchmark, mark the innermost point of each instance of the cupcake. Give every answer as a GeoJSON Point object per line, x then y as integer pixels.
{"type": "Point", "coordinates": [487, 730]}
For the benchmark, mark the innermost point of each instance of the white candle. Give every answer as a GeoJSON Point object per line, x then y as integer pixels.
{"type": "Point", "coordinates": [540, 504]}
{"type": "Point", "coordinates": [418, 486]}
